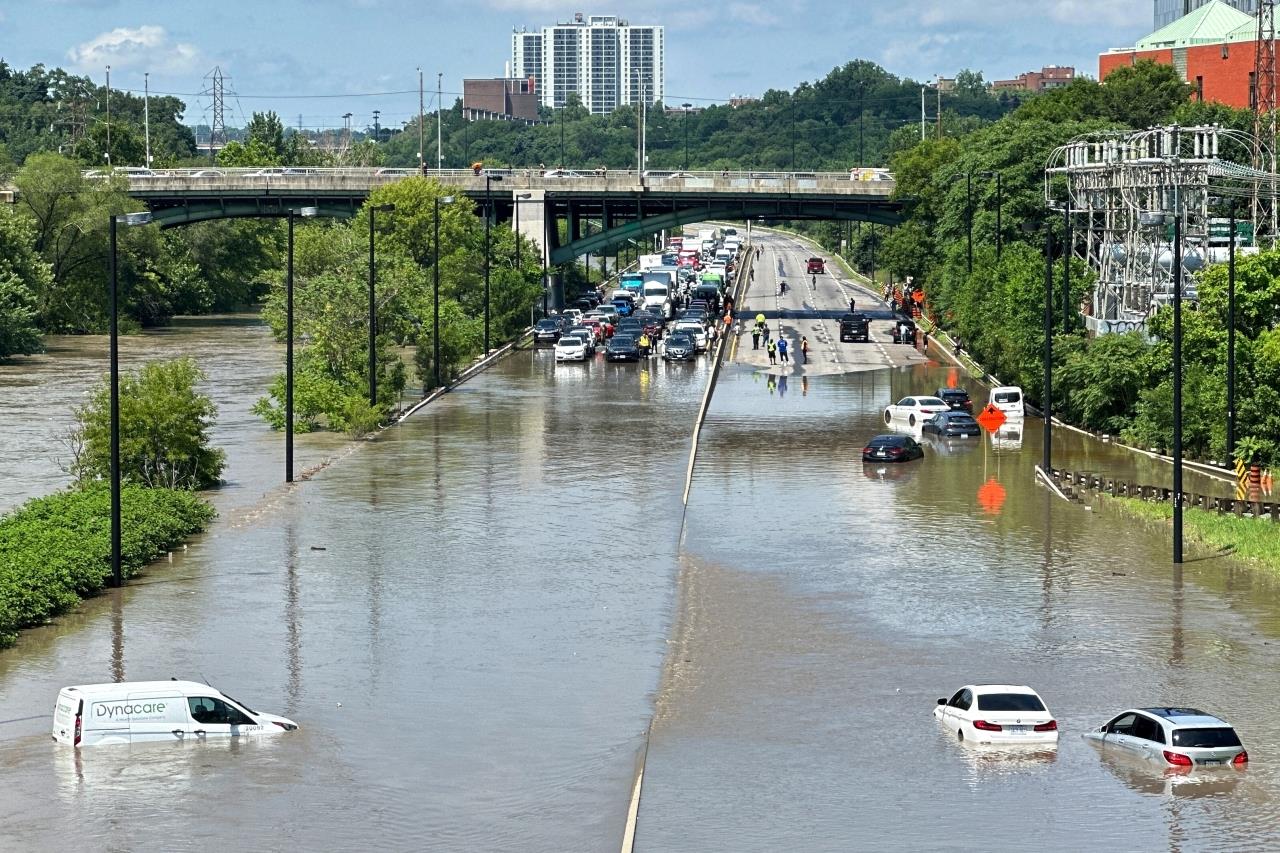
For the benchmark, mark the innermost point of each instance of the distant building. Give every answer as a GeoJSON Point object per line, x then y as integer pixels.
{"type": "Point", "coordinates": [1214, 49]}
{"type": "Point", "coordinates": [736, 101]}
{"type": "Point", "coordinates": [602, 59]}
{"type": "Point", "coordinates": [1048, 77]}
{"type": "Point", "coordinates": [1168, 11]}
{"type": "Point", "coordinates": [505, 98]}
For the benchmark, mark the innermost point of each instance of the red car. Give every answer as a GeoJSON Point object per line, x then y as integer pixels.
{"type": "Point", "coordinates": [816, 265]}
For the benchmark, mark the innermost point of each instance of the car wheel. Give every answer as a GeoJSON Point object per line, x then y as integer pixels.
{"type": "Point", "coordinates": [911, 420]}
{"type": "Point", "coordinates": [888, 418]}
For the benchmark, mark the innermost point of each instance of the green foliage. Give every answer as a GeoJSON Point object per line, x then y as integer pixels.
{"type": "Point", "coordinates": [56, 549]}
{"type": "Point", "coordinates": [1102, 380]}
{"type": "Point", "coordinates": [164, 430]}
{"type": "Point", "coordinates": [1139, 95]}
{"type": "Point", "coordinates": [23, 275]}
{"type": "Point", "coordinates": [1255, 540]}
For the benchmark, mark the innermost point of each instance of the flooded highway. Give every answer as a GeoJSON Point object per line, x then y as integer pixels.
{"type": "Point", "coordinates": [475, 617]}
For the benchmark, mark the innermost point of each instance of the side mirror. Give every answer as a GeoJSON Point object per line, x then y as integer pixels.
{"type": "Point", "coordinates": [942, 701]}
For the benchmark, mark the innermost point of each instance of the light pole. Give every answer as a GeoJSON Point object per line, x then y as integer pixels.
{"type": "Point", "coordinates": [146, 114]}
{"type": "Point", "coordinates": [999, 209]}
{"type": "Point", "coordinates": [1231, 338]}
{"type": "Point", "coordinates": [435, 308]}
{"type": "Point", "coordinates": [488, 216]}
{"type": "Point", "coordinates": [113, 303]}
{"type": "Point", "coordinates": [288, 351]}
{"type": "Point", "coordinates": [373, 307]}
{"type": "Point", "coordinates": [1066, 266]}
{"type": "Point", "coordinates": [1177, 374]}
{"type": "Point", "coordinates": [686, 135]}
{"type": "Point", "coordinates": [1046, 458]}
{"type": "Point", "coordinates": [968, 220]}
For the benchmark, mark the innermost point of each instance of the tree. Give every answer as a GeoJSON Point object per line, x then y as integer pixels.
{"type": "Point", "coordinates": [23, 274]}
{"type": "Point", "coordinates": [266, 130]}
{"type": "Point", "coordinates": [164, 430]}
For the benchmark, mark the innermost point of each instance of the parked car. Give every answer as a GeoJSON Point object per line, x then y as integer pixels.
{"type": "Point", "coordinates": [892, 448]}
{"type": "Point", "coordinates": [957, 398]}
{"type": "Point", "coordinates": [679, 346]}
{"type": "Point", "coordinates": [547, 331]}
{"type": "Point", "coordinates": [140, 711]}
{"type": "Point", "coordinates": [1174, 737]}
{"type": "Point", "coordinates": [904, 331]}
{"type": "Point", "coordinates": [622, 348]}
{"type": "Point", "coordinates": [694, 329]}
{"type": "Point", "coordinates": [587, 334]}
{"type": "Point", "coordinates": [914, 410]}
{"type": "Point", "coordinates": [571, 348]}
{"type": "Point", "coordinates": [997, 713]}
{"type": "Point", "coordinates": [952, 425]}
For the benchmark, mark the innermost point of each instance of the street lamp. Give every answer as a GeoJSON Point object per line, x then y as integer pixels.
{"type": "Point", "coordinates": [288, 351]}
{"type": "Point", "coordinates": [686, 108]}
{"type": "Point", "coordinates": [968, 218]}
{"type": "Point", "coordinates": [488, 215]}
{"type": "Point", "coordinates": [435, 323]}
{"type": "Point", "coordinates": [1231, 337]}
{"type": "Point", "coordinates": [142, 218]}
{"type": "Point", "coordinates": [1046, 459]}
{"type": "Point", "coordinates": [373, 308]}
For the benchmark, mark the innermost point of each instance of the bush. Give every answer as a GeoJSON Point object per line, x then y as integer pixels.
{"type": "Point", "coordinates": [164, 430]}
{"type": "Point", "coordinates": [56, 550]}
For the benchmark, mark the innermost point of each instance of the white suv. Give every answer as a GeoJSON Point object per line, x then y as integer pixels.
{"type": "Point", "coordinates": [1176, 737]}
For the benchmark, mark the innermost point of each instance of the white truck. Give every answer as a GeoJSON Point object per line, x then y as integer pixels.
{"type": "Point", "coordinates": [648, 262]}
{"type": "Point", "coordinates": [657, 296]}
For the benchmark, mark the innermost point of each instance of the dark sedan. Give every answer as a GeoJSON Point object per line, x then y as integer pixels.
{"type": "Point", "coordinates": [680, 347]}
{"type": "Point", "coordinates": [622, 348]}
{"type": "Point", "coordinates": [957, 398]}
{"type": "Point", "coordinates": [952, 425]}
{"type": "Point", "coordinates": [547, 331]}
{"type": "Point", "coordinates": [892, 448]}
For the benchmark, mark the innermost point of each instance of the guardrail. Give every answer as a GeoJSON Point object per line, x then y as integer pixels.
{"type": "Point", "coordinates": [1072, 480]}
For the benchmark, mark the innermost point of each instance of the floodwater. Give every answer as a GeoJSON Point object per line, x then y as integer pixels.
{"type": "Point", "coordinates": [476, 616]}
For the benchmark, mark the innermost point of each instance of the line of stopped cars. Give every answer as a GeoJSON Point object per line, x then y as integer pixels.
{"type": "Point", "coordinates": [945, 414]}
{"type": "Point", "coordinates": [1178, 739]}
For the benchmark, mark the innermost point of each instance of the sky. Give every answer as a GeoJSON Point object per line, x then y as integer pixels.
{"type": "Point", "coordinates": [321, 59]}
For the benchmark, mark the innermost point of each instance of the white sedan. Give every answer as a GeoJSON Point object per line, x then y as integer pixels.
{"type": "Point", "coordinates": [997, 713]}
{"type": "Point", "coordinates": [571, 348]}
{"type": "Point", "coordinates": [914, 410]}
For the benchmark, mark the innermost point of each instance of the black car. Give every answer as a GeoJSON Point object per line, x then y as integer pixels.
{"type": "Point", "coordinates": [952, 424]}
{"type": "Point", "coordinates": [547, 331]}
{"type": "Point", "coordinates": [585, 304]}
{"type": "Point", "coordinates": [904, 331]}
{"type": "Point", "coordinates": [956, 398]}
{"type": "Point", "coordinates": [855, 327]}
{"type": "Point", "coordinates": [892, 448]}
{"type": "Point", "coordinates": [680, 347]}
{"type": "Point", "coordinates": [622, 348]}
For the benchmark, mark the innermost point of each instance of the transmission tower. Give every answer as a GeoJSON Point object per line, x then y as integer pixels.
{"type": "Point", "coordinates": [1264, 92]}
{"type": "Point", "coordinates": [217, 124]}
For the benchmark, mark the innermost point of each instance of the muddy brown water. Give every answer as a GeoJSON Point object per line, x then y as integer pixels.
{"type": "Point", "coordinates": [503, 602]}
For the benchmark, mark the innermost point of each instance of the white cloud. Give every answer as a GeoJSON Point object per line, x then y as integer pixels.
{"type": "Point", "coordinates": [145, 48]}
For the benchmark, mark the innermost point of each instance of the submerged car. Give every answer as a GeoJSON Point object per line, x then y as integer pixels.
{"type": "Point", "coordinates": [914, 410]}
{"type": "Point", "coordinates": [892, 448]}
{"type": "Point", "coordinates": [997, 713]}
{"type": "Point", "coordinates": [957, 398]}
{"type": "Point", "coordinates": [679, 346]}
{"type": "Point", "coordinates": [1174, 737]}
{"type": "Point", "coordinates": [952, 425]}
{"type": "Point", "coordinates": [571, 348]}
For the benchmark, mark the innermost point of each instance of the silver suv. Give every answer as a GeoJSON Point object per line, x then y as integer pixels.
{"type": "Point", "coordinates": [1176, 737]}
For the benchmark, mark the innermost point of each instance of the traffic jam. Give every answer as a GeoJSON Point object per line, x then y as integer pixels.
{"type": "Point", "coordinates": [669, 306]}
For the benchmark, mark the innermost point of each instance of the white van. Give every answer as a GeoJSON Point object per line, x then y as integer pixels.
{"type": "Point", "coordinates": [143, 711]}
{"type": "Point", "coordinates": [1008, 399]}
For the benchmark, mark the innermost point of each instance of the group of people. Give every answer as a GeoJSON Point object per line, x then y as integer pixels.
{"type": "Point", "coordinates": [777, 349]}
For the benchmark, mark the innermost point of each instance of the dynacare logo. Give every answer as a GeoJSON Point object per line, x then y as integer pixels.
{"type": "Point", "coordinates": [129, 709]}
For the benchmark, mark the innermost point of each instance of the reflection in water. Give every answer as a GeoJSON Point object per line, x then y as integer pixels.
{"type": "Point", "coordinates": [1150, 779]}
{"type": "Point", "coordinates": [117, 635]}
{"type": "Point", "coordinates": [292, 622]}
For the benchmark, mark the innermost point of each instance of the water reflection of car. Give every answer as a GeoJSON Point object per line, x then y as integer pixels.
{"type": "Point", "coordinates": [892, 448]}
{"type": "Point", "coordinates": [952, 425]}
{"type": "Point", "coordinates": [943, 446]}
{"type": "Point", "coordinates": [1008, 437]}
{"type": "Point", "coordinates": [547, 331]}
{"type": "Point", "coordinates": [679, 346]}
{"type": "Point", "coordinates": [622, 348]}
{"type": "Point", "coordinates": [997, 714]}
{"type": "Point", "coordinates": [1173, 737]}
{"type": "Point", "coordinates": [957, 398]}
{"type": "Point", "coordinates": [914, 410]}
{"type": "Point", "coordinates": [1138, 774]}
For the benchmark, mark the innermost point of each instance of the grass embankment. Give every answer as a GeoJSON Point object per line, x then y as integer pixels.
{"type": "Point", "coordinates": [1256, 540]}
{"type": "Point", "coordinates": [56, 550]}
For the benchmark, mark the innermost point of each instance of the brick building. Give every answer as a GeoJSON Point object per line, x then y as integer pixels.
{"type": "Point", "coordinates": [1214, 49]}
{"type": "Point", "coordinates": [506, 98]}
{"type": "Point", "coordinates": [1048, 77]}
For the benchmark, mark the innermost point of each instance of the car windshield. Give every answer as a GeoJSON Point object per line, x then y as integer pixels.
{"type": "Point", "coordinates": [1009, 702]}
{"type": "Point", "coordinates": [930, 401]}
{"type": "Point", "coordinates": [547, 324]}
{"type": "Point", "coordinates": [887, 441]}
{"type": "Point", "coordinates": [1205, 738]}
{"type": "Point", "coordinates": [679, 341]}
{"type": "Point", "coordinates": [960, 420]}
{"type": "Point", "coordinates": [623, 341]}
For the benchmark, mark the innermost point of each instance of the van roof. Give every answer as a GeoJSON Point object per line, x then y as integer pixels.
{"type": "Point", "coordinates": [116, 688]}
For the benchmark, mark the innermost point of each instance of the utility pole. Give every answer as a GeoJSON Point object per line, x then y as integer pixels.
{"type": "Point", "coordinates": [922, 113]}
{"type": "Point", "coordinates": [939, 115]}
{"type": "Point", "coordinates": [439, 120]}
{"type": "Point", "coordinates": [422, 164]}
{"type": "Point", "coordinates": [108, 115]}
{"type": "Point", "coordinates": [377, 131]}
{"type": "Point", "coordinates": [146, 113]}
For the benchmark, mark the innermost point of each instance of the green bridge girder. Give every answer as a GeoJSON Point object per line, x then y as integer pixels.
{"type": "Point", "coordinates": [206, 210]}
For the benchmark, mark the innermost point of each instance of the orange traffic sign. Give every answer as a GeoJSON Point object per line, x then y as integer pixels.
{"type": "Point", "coordinates": [991, 418]}
{"type": "Point", "coordinates": [952, 381]}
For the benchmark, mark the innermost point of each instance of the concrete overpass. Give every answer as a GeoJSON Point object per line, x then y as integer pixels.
{"type": "Point", "coordinates": [558, 209]}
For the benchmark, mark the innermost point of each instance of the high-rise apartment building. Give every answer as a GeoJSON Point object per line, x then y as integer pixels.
{"type": "Point", "coordinates": [605, 61]}
{"type": "Point", "coordinates": [1168, 11]}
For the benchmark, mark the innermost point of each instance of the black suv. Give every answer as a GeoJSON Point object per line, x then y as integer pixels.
{"type": "Point", "coordinates": [680, 347]}
{"type": "Point", "coordinates": [956, 398]}
{"type": "Point", "coordinates": [855, 327]}
{"type": "Point", "coordinates": [622, 348]}
{"type": "Point", "coordinates": [904, 331]}
{"type": "Point", "coordinates": [547, 331]}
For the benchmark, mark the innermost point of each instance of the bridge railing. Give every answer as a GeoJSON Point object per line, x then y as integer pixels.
{"type": "Point", "coordinates": [873, 182]}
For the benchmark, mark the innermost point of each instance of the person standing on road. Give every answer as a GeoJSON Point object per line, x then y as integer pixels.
{"type": "Point", "coordinates": [851, 304]}
{"type": "Point", "coordinates": [773, 352]}
{"type": "Point", "coordinates": [755, 337]}
{"type": "Point", "coordinates": [764, 333]}
{"type": "Point", "coordinates": [782, 349]}
{"type": "Point", "coordinates": [804, 350]}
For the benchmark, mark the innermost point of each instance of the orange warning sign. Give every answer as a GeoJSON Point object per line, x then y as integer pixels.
{"type": "Point", "coordinates": [952, 380]}
{"type": "Point", "coordinates": [991, 418]}
{"type": "Point", "coordinates": [991, 496]}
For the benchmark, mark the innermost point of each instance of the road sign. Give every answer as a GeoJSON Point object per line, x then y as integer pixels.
{"type": "Point", "coordinates": [1242, 480]}
{"type": "Point", "coordinates": [991, 418]}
